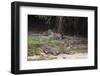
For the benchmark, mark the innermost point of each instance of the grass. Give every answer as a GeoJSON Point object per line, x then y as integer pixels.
{"type": "Point", "coordinates": [33, 41]}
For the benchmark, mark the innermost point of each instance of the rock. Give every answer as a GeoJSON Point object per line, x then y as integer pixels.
{"type": "Point", "coordinates": [50, 50]}
{"type": "Point", "coordinates": [54, 51]}
{"type": "Point", "coordinates": [44, 37]}
{"type": "Point", "coordinates": [30, 52]}
{"type": "Point", "coordinates": [40, 52]}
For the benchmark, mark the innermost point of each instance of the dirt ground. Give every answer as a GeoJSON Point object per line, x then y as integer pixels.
{"type": "Point", "coordinates": [61, 56]}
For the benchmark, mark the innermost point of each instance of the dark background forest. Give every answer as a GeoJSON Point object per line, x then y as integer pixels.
{"type": "Point", "coordinates": [74, 26]}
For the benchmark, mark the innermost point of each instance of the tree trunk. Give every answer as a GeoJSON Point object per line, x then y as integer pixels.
{"type": "Point", "coordinates": [59, 24]}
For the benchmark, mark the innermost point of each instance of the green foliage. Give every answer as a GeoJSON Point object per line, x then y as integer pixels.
{"type": "Point", "coordinates": [33, 41]}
